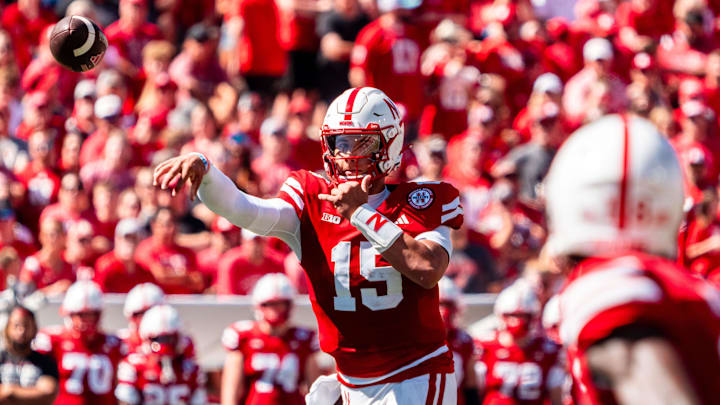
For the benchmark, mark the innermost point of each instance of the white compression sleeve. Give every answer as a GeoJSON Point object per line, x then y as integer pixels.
{"type": "Point", "coordinates": [271, 217]}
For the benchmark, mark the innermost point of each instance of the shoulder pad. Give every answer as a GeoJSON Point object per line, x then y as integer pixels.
{"type": "Point", "coordinates": [32, 264]}
{"type": "Point", "coordinates": [231, 339]}
{"type": "Point", "coordinates": [42, 342]}
{"type": "Point", "coordinates": [243, 326]}
{"type": "Point", "coordinates": [127, 372]}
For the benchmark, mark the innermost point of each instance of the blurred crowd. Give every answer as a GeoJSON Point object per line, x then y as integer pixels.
{"type": "Point", "coordinates": [488, 90]}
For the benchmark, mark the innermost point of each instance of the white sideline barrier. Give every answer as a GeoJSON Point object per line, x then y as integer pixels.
{"type": "Point", "coordinates": [205, 316]}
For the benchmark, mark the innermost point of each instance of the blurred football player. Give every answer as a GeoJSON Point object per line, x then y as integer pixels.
{"type": "Point", "coordinates": [268, 360]}
{"type": "Point", "coordinates": [639, 329]}
{"type": "Point", "coordinates": [86, 357]}
{"type": "Point", "coordinates": [159, 373]}
{"type": "Point", "coordinates": [138, 301]}
{"type": "Point", "coordinates": [516, 364]}
{"type": "Point", "coordinates": [373, 253]}
{"type": "Point", "coordinates": [460, 342]}
{"type": "Point", "coordinates": [551, 319]}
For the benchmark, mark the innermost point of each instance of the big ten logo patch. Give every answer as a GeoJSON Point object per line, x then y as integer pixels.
{"type": "Point", "coordinates": [421, 198]}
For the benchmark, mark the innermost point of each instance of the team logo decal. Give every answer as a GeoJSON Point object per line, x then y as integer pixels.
{"type": "Point", "coordinates": [421, 198]}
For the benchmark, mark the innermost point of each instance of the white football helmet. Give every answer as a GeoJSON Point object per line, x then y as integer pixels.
{"type": "Point", "coordinates": [273, 287]}
{"type": "Point", "coordinates": [362, 123]}
{"type": "Point", "coordinates": [158, 321]}
{"type": "Point", "coordinates": [82, 296]}
{"type": "Point", "coordinates": [518, 298]}
{"type": "Point", "coordinates": [551, 313]}
{"type": "Point", "coordinates": [141, 298]}
{"type": "Point", "coordinates": [449, 291]}
{"type": "Point", "coordinates": [614, 185]}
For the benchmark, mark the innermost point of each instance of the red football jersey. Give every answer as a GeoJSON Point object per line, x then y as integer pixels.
{"type": "Point", "coordinates": [605, 294]}
{"type": "Point", "coordinates": [142, 379]}
{"type": "Point", "coordinates": [273, 366]}
{"type": "Point", "coordinates": [371, 318]}
{"type": "Point", "coordinates": [462, 348]}
{"type": "Point", "coordinates": [390, 59]}
{"type": "Point", "coordinates": [87, 370]}
{"type": "Point", "coordinates": [517, 375]}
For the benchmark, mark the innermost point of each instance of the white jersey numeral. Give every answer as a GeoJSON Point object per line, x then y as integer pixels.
{"type": "Point", "coordinates": [344, 301]}
{"type": "Point", "coordinates": [98, 368]}
{"type": "Point", "coordinates": [276, 372]}
{"type": "Point", "coordinates": [156, 394]}
{"type": "Point", "coordinates": [527, 377]}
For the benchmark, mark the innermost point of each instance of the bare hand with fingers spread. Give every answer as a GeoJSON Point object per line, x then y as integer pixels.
{"type": "Point", "coordinates": [348, 196]}
{"type": "Point", "coordinates": [177, 171]}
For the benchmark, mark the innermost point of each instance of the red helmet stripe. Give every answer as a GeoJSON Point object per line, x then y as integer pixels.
{"type": "Point", "coordinates": [625, 169]}
{"type": "Point", "coordinates": [350, 102]}
{"type": "Point", "coordinates": [393, 110]}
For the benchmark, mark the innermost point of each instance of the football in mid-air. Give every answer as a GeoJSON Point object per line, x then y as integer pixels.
{"type": "Point", "coordinates": [78, 43]}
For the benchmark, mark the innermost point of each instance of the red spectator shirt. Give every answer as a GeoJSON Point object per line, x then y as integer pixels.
{"type": "Point", "coordinates": [654, 22]}
{"type": "Point", "coordinates": [41, 186]}
{"type": "Point", "coordinates": [23, 249]}
{"type": "Point", "coordinates": [141, 381]}
{"type": "Point", "coordinates": [25, 33]}
{"type": "Point", "coordinates": [113, 276]}
{"type": "Point", "coordinates": [58, 213]}
{"type": "Point", "coordinates": [447, 112]}
{"type": "Point", "coordinates": [297, 31]}
{"type": "Point", "coordinates": [352, 286]}
{"type": "Point", "coordinates": [93, 148]}
{"type": "Point", "coordinates": [259, 49]}
{"type": "Point", "coordinates": [237, 275]}
{"type": "Point", "coordinates": [129, 45]}
{"type": "Point", "coordinates": [273, 366]}
{"type": "Point", "coordinates": [175, 259]}
{"type": "Point", "coordinates": [517, 375]}
{"type": "Point", "coordinates": [462, 348]}
{"type": "Point", "coordinates": [87, 369]}
{"type": "Point", "coordinates": [602, 295]}
{"type": "Point", "coordinates": [390, 59]}
{"type": "Point", "coordinates": [37, 272]}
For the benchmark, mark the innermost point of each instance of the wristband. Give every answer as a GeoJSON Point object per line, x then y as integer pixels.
{"type": "Point", "coordinates": [203, 159]}
{"type": "Point", "coordinates": [378, 230]}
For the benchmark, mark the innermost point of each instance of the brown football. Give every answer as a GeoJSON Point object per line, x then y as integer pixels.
{"type": "Point", "coordinates": [78, 43]}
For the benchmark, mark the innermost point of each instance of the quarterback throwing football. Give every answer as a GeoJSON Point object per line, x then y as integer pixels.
{"type": "Point", "coordinates": [373, 253]}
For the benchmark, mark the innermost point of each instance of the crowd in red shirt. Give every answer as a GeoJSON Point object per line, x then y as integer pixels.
{"type": "Point", "coordinates": [488, 90]}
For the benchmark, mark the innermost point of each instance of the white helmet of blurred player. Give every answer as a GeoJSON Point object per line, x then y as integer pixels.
{"type": "Point", "coordinates": [81, 307]}
{"type": "Point", "coordinates": [616, 184]}
{"type": "Point", "coordinates": [141, 298]}
{"type": "Point", "coordinates": [273, 288]}
{"type": "Point", "coordinates": [160, 328]}
{"type": "Point", "coordinates": [362, 123]}
{"type": "Point", "coordinates": [450, 301]}
{"type": "Point", "coordinates": [516, 307]}
{"type": "Point", "coordinates": [551, 318]}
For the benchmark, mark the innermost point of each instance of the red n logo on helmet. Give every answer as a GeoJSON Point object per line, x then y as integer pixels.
{"type": "Point", "coordinates": [393, 110]}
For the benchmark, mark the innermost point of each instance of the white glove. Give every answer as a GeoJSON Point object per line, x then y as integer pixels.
{"type": "Point", "coordinates": [325, 390]}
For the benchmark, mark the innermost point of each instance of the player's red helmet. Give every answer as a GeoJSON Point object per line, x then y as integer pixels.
{"type": "Point", "coordinates": [273, 288]}
{"type": "Point", "coordinates": [362, 123]}
{"type": "Point", "coordinates": [82, 306]}
{"type": "Point", "coordinates": [160, 330]}
{"type": "Point", "coordinates": [516, 307]}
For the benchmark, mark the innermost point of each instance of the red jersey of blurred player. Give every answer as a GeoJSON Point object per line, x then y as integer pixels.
{"type": "Point", "coordinates": [268, 359]}
{"type": "Point", "coordinates": [139, 300]}
{"type": "Point", "coordinates": [515, 365]}
{"type": "Point", "coordinates": [160, 373]}
{"type": "Point", "coordinates": [86, 357]}
{"type": "Point", "coordinates": [460, 342]}
{"type": "Point", "coordinates": [620, 304]}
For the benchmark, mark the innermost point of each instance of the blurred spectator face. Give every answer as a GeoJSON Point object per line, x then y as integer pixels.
{"type": "Point", "coordinates": [7, 224]}
{"type": "Point", "coordinates": [128, 205]}
{"type": "Point", "coordinates": [4, 121]}
{"type": "Point", "coordinates": [8, 86]}
{"type": "Point", "coordinates": [40, 147]}
{"type": "Point", "coordinates": [432, 157]}
{"type": "Point", "coordinates": [83, 8]}
{"type": "Point", "coordinates": [663, 119]}
{"type": "Point", "coordinates": [79, 241]}
{"type": "Point", "coordinates": [157, 56]}
{"type": "Point", "coordinates": [126, 240]}
{"type": "Point", "coordinates": [7, 57]}
{"type": "Point", "coordinates": [640, 98]}
{"type": "Point", "coordinates": [546, 127]}
{"type": "Point", "coordinates": [348, 8]}
{"type": "Point", "coordinates": [144, 187]}
{"type": "Point", "coordinates": [693, 24]}
{"type": "Point", "coordinates": [104, 200]}
{"type": "Point", "coordinates": [70, 152]}
{"type": "Point", "coordinates": [111, 82]}
{"type": "Point", "coordinates": [20, 330]}
{"type": "Point", "coordinates": [697, 117]}
{"type": "Point", "coordinates": [254, 245]}
{"type": "Point", "coordinates": [250, 112]}
{"type": "Point", "coordinates": [163, 227]}
{"type": "Point", "coordinates": [51, 235]}
{"type": "Point", "coordinates": [201, 43]}
{"type": "Point", "coordinates": [71, 195]}
{"type": "Point", "coordinates": [30, 8]}
{"type": "Point", "coordinates": [275, 145]}
{"type": "Point", "coordinates": [202, 123]}
{"type": "Point", "coordinates": [117, 152]}
{"type": "Point", "coordinates": [165, 90]}
{"type": "Point", "coordinates": [84, 107]}
{"type": "Point", "coordinates": [133, 13]}
{"type": "Point", "coordinates": [712, 69]}
{"type": "Point", "coordinates": [37, 111]}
